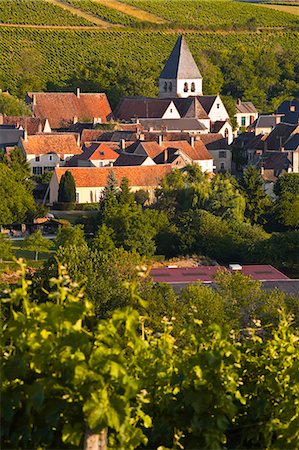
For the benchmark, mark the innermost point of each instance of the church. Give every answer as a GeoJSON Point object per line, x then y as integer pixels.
{"type": "Point", "coordinates": [181, 105]}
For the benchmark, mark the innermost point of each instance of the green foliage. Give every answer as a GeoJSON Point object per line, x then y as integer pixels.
{"type": "Point", "coordinates": [12, 106]}
{"type": "Point", "coordinates": [67, 188]}
{"type": "Point", "coordinates": [287, 184]}
{"type": "Point", "coordinates": [70, 237]}
{"type": "Point", "coordinates": [37, 12]}
{"type": "Point", "coordinates": [141, 197]}
{"type": "Point", "coordinates": [16, 200]}
{"type": "Point", "coordinates": [35, 242]}
{"type": "Point", "coordinates": [103, 240]}
{"type": "Point", "coordinates": [225, 200]}
{"type": "Point", "coordinates": [286, 208]}
{"type": "Point", "coordinates": [257, 201]}
{"type": "Point", "coordinates": [5, 247]}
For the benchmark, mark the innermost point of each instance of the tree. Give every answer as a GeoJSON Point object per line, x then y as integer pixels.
{"type": "Point", "coordinates": [257, 201]}
{"type": "Point", "coordinates": [103, 240]}
{"type": "Point", "coordinates": [288, 183]}
{"type": "Point", "coordinates": [12, 106]}
{"type": "Point", "coordinates": [16, 200]}
{"type": "Point", "coordinates": [286, 208]}
{"type": "Point", "coordinates": [5, 247]}
{"type": "Point", "coordinates": [124, 195]}
{"type": "Point", "coordinates": [67, 188]}
{"type": "Point", "coordinates": [37, 243]}
{"type": "Point", "coordinates": [141, 197]}
{"type": "Point", "coordinates": [70, 237]}
{"type": "Point", "coordinates": [225, 200]}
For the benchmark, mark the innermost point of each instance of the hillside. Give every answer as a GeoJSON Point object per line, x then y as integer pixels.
{"type": "Point", "coordinates": [236, 57]}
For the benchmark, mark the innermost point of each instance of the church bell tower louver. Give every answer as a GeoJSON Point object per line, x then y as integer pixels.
{"type": "Point", "coordinates": [180, 76]}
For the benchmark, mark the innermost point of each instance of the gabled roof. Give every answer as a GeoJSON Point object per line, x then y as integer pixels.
{"type": "Point", "coordinates": [130, 159]}
{"type": "Point", "coordinates": [218, 125]}
{"type": "Point", "coordinates": [292, 144]}
{"type": "Point", "coordinates": [245, 107]}
{"type": "Point", "coordinates": [32, 125]}
{"type": "Point", "coordinates": [196, 153]}
{"type": "Point", "coordinates": [97, 177]}
{"type": "Point", "coordinates": [95, 135]}
{"type": "Point", "coordinates": [190, 107]}
{"type": "Point", "coordinates": [180, 64]}
{"type": "Point", "coordinates": [214, 141]}
{"type": "Point", "coordinates": [187, 124]}
{"type": "Point", "coordinates": [141, 107]}
{"type": "Point", "coordinates": [98, 151]}
{"type": "Point", "coordinates": [207, 101]}
{"type": "Point", "coordinates": [59, 143]}
{"type": "Point", "coordinates": [275, 161]}
{"type": "Point", "coordinates": [290, 111]}
{"type": "Point", "coordinates": [60, 108]}
{"type": "Point", "coordinates": [9, 135]}
{"type": "Point", "coordinates": [265, 122]}
{"type": "Point", "coordinates": [280, 135]}
{"type": "Point", "coordinates": [166, 136]}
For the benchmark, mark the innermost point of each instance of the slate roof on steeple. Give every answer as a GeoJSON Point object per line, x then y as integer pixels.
{"type": "Point", "coordinates": [180, 64]}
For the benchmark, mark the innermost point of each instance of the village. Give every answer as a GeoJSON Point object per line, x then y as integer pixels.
{"type": "Point", "coordinates": [143, 139]}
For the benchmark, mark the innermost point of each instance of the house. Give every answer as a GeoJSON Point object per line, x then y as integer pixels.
{"type": "Point", "coordinates": [65, 108]}
{"type": "Point", "coordinates": [133, 108]}
{"type": "Point", "coordinates": [95, 154]}
{"type": "Point", "coordinates": [214, 107]}
{"type": "Point", "coordinates": [289, 111]}
{"type": "Point", "coordinates": [32, 125]}
{"type": "Point", "coordinates": [180, 76]}
{"type": "Point", "coordinates": [45, 151]}
{"type": "Point", "coordinates": [224, 128]}
{"type": "Point", "coordinates": [90, 182]}
{"type": "Point", "coordinates": [246, 114]}
{"type": "Point", "coordinates": [264, 124]}
{"type": "Point", "coordinates": [177, 153]}
{"type": "Point", "coordinates": [218, 147]}
{"type": "Point", "coordinates": [272, 165]}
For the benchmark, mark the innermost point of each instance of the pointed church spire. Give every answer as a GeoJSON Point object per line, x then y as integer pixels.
{"type": "Point", "coordinates": [180, 76]}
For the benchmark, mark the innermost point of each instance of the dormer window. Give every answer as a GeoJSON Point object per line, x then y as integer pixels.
{"type": "Point", "coordinates": [170, 86]}
{"type": "Point", "coordinates": [50, 157]}
{"type": "Point", "coordinates": [186, 87]}
{"type": "Point", "coordinates": [165, 86]}
{"type": "Point", "coordinates": [292, 108]}
{"type": "Point", "coordinates": [192, 87]}
{"type": "Point", "coordinates": [37, 158]}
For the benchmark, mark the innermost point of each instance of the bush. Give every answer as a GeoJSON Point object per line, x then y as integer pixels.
{"type": "Point", "coordinates": [63, 206]}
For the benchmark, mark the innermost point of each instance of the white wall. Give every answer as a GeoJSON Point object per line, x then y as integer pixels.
{"type": "Point", "coordinates": [171, 112]}
{"type": "Point", "coordinates": [178, 88]}
{"type": "Point", "coordinates": [206, 165]}
{"type": "Point", "coordinates": [218, 111]}
{"type": "Point", "coordinates": [248, 120]}
{"type": "Point", "coordinates": [48, 160]}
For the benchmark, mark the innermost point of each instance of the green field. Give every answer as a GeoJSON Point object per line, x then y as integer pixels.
{"type": "Point", "coordinates": [37, 12]}
{"type": "Point", "coordinates": [215, 15]}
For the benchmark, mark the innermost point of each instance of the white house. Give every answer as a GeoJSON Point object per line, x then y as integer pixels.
{"type": "Point", "coordinates": [46, 151]}
{"type": "Point", "coordinates": [246, 114]}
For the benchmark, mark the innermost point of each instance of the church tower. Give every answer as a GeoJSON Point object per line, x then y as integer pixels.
{"type": "Point", "coordinates": [180, 76]}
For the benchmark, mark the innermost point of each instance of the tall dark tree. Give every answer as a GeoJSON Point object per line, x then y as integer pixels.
{"type": "Point", "coordinates": [257, 201]}
{"type": "Point", "coordinates": [67, 188]}
{"type": "Point", "coordinates": [125, 196]}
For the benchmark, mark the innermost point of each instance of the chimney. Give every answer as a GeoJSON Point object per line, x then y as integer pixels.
{"type": "Point", "coordinates": [75, 119]}
{"type": "Point", "coordinates": [78, 92]}
{"type": "Point", "coordinates": [282, 149]}
{"type": "Point", "coordinates": [33, 99]}
{"type": "Point", "coordinates": [239, 101]}
{"type": "Point", "coordinates": [78, 139]}
{"type": "Point", "coordinates": [40, 127]}
{"type": "Point", "coordinates": [165, 155]}
{"type": "Point", "coordinates": [160, 139]}
{"type": "Point", "coordinates": [122, 144]}
{"type": "Point", "coordinates": [25, 135]}
{"type": "Point", "coordinates": [192, 141]}
{"type": "Point", "coordinates": [262, 170]}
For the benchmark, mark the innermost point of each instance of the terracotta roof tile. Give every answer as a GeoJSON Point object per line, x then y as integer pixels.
{"type": "Point", "coordinates": [60, 108]}
{"type": "Point", "coordinates": [133, 107]}
{"type": "Point", "coordinates": [197, 153]}
{"type": "Point", "coordinates": [245, 107]}
{"type": "Point", "coordinates": [42, 144]}
{"type": "Point", "coordinates": [97, 177]}
{"type": "Point", "coordinates": [32, 125]}
{"type": "Point", "coordinates": [98, 151]}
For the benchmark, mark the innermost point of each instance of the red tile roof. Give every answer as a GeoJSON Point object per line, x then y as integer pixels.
{"type": "Point", "coordinates": [197, 153]}
{"type": "Point", "coordinates": [97, 177]}
{"type": "Point", "coordinates": [98, 151]}
{"type": "Point", "coordinates": [32, 125]}
{"type": "Point", "coordinates": [60, 108]}
{"type": "Point", "coordinates": [134, 107]}
{"type": "Point", "coordinates": [59, 143]}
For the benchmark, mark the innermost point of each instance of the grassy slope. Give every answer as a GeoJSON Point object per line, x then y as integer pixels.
{"type": "Point", "coordinates": [37, 12]}
{"type": "Point", "coordinates": [202, 14]}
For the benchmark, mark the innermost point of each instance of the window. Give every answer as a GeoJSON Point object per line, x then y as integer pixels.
{"type": "Point", "coordinates": [61, 158]}
{"type": "Point", "coordinates": [226, 133]}
{"type": "Point", "coordinates": [222, 154]}
{"type": "Point", "coordinates": [243, 121]}
{"type": "Point", "coordinates": [170, 86]}
{"type": "Point", "coordinates": [37, 158]}
{"type": "Point", "coordinates": [49, 168]}
{"type": "Point", "coordinates": [165, 86]}
{"type": "Point", "coordinates": [186, 87]}
{"type": "Point", "coordinates": [192, 87]}
{"type": "Point", "coordinates": [222, 167]}
{"type": "Point", "coordinates": [292, 108]}
{"type": "Point", "coordinates": [218, 105]}
{"type": "Point", "coordinates": [50, 157]}
{"type": "Point", "coordinates": [170, 110]}
{"type": "Point", "coordinates": [37, 170]}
